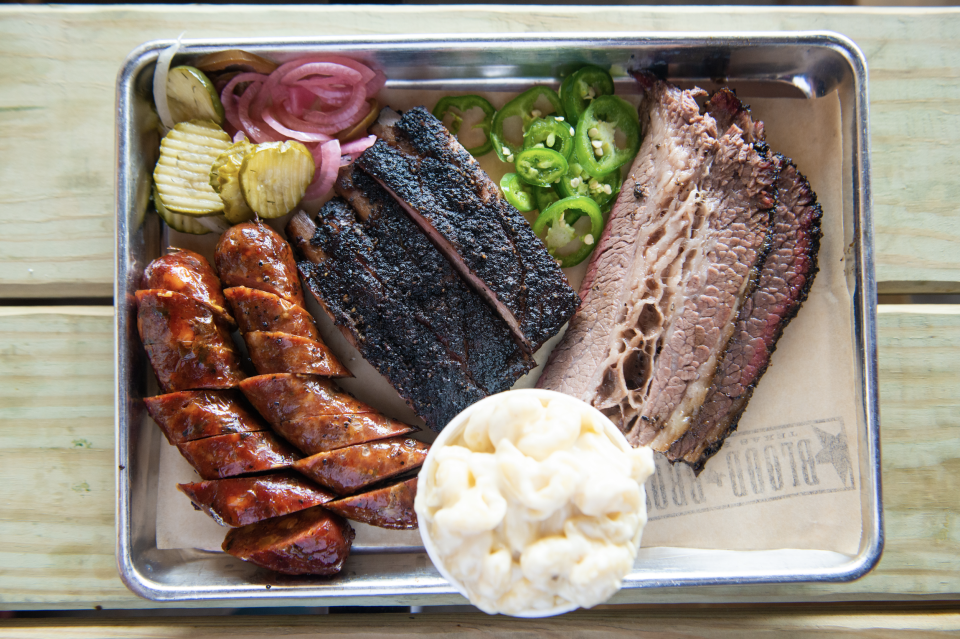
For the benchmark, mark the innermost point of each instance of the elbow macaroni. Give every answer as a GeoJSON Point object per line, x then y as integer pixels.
{"type": "Point", "coordinates": [534, 503]}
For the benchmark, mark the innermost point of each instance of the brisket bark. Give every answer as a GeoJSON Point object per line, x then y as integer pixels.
{"type": "Point", "coordinates": [444, 190]}
{"type": "Point", "coordinates": [784, 282]}
{"type": "Point", "coordinates": [676, 260]}
{"type": "Point", "coordinates": [402, 305]}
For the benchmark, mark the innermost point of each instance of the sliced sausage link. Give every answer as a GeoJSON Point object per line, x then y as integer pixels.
{"type": "Point", "coordinates": [189, 274]}
{"type": "Point", "coordinates": [388, 507]}
{"type": "Point", "coordinates": [310, 542]}
{"type": "Point", "coordinates": [283, 353]}
{"type": "Point", "coordinates": [238, 454]}
{"type": "Point", "coordinates": [350, 469]}
{"type": "Point", "coordinates": [241, 501]}
{"type": "Point", "coordinates": [187, 415]}
{"type": "Point", "coordinates": [285, 397]}
{"type": "Point", "coordinates": [187, 347]}
{"type": "Point", "coordinates": [262, 311]}
{"type": "Point", "coordinates": [254, 255]}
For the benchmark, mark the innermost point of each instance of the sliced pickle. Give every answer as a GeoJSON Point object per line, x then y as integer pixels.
{"type": "Point", "coordinates": [182, 223]}
{"type": "Point", "coordinates": [274, 176]}
{"type": "Point", "coordinates": [235, 58]}
{"type": "Point", "coordinates": [225, 180]}
{"type": "Point", "coordinates": [182, 174]}
{"type": "Point", "coordinates": [192, 96]}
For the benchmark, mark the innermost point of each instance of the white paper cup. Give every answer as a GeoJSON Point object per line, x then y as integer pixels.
{"type": "Point", "coordinates": [451, 432]}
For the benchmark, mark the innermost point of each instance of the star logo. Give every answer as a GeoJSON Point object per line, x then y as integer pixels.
{"type": "Point", "coordinates": [834, 451]}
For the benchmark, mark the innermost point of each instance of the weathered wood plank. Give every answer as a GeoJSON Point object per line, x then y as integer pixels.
{"type": "Point", "coordinates": [56, 464]}
{"type": "Point", "coordinates": [57, 97]}
{"type": "Point", "coordinates": [711, 623]}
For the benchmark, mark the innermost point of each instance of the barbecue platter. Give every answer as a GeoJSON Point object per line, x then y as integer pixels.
{"type": "Point", "coordinates": [699, 242]}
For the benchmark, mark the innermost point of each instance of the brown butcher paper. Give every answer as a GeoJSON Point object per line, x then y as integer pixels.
{"type": "Point", "coordinates": [787, 478]}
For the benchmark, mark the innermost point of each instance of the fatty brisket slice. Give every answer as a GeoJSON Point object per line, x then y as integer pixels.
{"type": "Point", "coordinates": [444, 190]}
{"type": "Point", "coordinates": [678, 257]}
{"type": "Point", "coordinates": [401, 304]}
{"type": "Point", "coordinates": [785, 279]}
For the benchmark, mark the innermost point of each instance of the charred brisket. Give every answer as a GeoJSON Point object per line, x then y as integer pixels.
{"type": "Point", "coordinates": [403, 306]}
{"type": "Point", "coordinates": [444, 190]}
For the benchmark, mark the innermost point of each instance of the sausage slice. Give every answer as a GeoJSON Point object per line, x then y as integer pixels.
{"type": "Point", "coordinates": [282, 397]}
{"type": "Point", "coordinates": [254, 255]}
{"type": "Point", "coordinates": [330, 432]}
{"type": "Point", "coordinates": [187, 347]}
{"type": "Point", "coordinates": [349, 469]}
{"type": "Point", "coordinates": [187, 415]}
{"type": "Point", "coordinates": [237, 454]}
{"type": "Point", "coordinates": [261, 311]}
{"type": "Point", "coordinates": [314, 415]}
{"type": "Point", "coordinates": [190, 274]}
{"type": "Point", "coordinates": [310, 542]}
{"type": "Point", "coordinates": [389, 507]}
{"type": "Point", "coordinates": [241, 501]}
{"type": "Point", "coordinates": [283, 353]}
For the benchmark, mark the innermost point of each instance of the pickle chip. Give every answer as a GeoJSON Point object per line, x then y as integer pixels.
{"type": "Point", "coordinates": [274, 176]}
{"type": "Point", "coordinates": [192, 96]}
{"type": "Point", "coordinates": [182, 223]}
{"type": "Point", "coordinates": [225, 180]}
{"type": "Point", "coordinates": [182, 174]}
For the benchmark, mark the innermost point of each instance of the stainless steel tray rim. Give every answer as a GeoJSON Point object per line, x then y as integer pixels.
{"type": "Point", "coordinates": [147, 586]}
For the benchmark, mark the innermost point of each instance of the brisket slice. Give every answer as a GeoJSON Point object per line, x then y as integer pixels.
{"type": "Point", "coordinates": [664, 286]}
{"type": "Point", "coordinates": [401, 304]}
{"type": "Point", "coordinates": [784, 282]}
{"type": "Point", "coordinates": [444, 190]}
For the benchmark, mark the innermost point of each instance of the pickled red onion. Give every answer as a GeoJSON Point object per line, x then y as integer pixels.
{"type": "Point", "coordinates": [309, 99]}
{"type": "Point", "coordinates": [358, 146]}
{"type": "Point", "coordinates": [329, 163]}
{"type": "Point", "coordinates": [350, 150]}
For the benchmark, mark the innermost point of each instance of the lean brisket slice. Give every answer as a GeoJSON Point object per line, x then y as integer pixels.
{"type": "Point", "coordinates": [677, 259]}
{"type": "Point", "coordinates": [784, 282]}
{"type": "Point", "coordinates": [444, 190]}
{"type": "Point", "coordinates": [399, 301]}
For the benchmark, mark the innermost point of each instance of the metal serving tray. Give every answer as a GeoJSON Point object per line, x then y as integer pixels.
{"type": "Point", "coordinates": [799, 64]}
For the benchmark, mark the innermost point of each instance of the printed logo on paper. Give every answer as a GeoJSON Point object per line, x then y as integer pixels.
{"type": "Point", "coordinates": [768, 464]}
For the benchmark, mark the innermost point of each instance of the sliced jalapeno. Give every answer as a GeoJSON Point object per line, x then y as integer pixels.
{"type": "Point", "coordinates": [464, 103]}
{"type": "Point", "coordinates": [550, 133]}
{"type": "Point", "coordinates": [578, 182]}
{"type": "Point", "coordinates": [555, 224]}
{"type": "Point", "coordinates": [545, 196]}
{"type": "Point", "coordinates": [519, 194]}
{"type": "Point", "coordinates": [581, 88]}
{"type": "Point", "coordinates": [541, 167]}
{"type": "Point", "coordinates": [523, 106]}
{"type": "Point", "coordinates": [596, 137]}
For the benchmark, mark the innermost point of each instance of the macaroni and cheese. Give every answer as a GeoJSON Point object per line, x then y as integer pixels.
{"type": "Point", "coordinates": [533, 503]}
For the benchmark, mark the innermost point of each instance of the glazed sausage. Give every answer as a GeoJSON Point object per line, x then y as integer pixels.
{"type": "Point", "coordinates": [309, 542]}
{"type": "Point", "coordinates": [283, 353]}
{"type": "Point", "coordinates": [188, 415]}
{"type": "Point", "coordinates": [282, 397]}
{"type": "Point", "coordinates": [388, 507]}
{"type": "Point", "coordinates": [349, 469]}
{"type": "Point", "coordinates": [261, 311]}
{"type": "Point", "coordinates": [318, 434]}
{"type": "Point", "coordinates": [241, 501]}
{"type": "Point", "coordinates": [190, 274]}
{"type": "Point", "coordinates": [314, 416]}
{"type": "Point", "coordinates": [188, 348]}
{"type": "Point", "coordinates": [253, 255]}
{"type": "Point", "coordinates": [237, 454]}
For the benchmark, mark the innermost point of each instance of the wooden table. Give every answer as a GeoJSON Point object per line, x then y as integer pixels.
{"type": "Point", "coordinates": [56, 342]}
